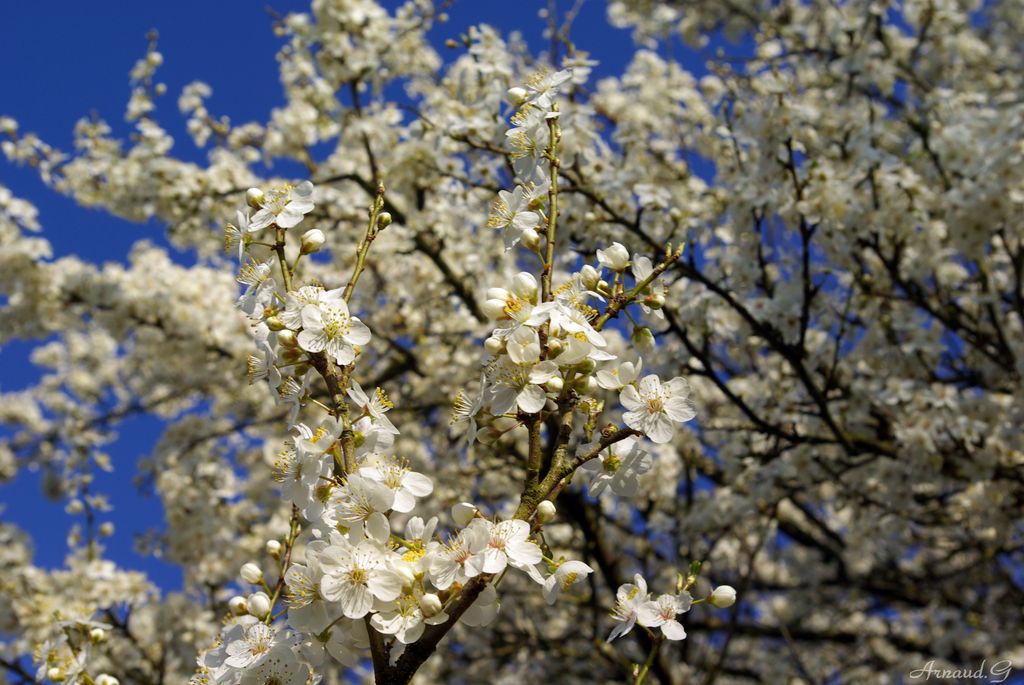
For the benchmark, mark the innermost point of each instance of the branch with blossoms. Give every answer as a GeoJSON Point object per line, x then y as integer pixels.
{"type": "Point", "coordinates": [351, 577]}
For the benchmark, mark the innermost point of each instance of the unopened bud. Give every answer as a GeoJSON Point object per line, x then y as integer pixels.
{"type": "Point", "coordinates": [546, 511]}
{"type": "Point", "coordinates": [586, 366]}
{"type": "Point", "coordinates": [383, 220]}
{"type": "Point", "coordinates": [655, 301]}
{"type": "Point", "coordinates": [106, 679]}
{"type": "Point", "coordinates": [643, 339]}
{"type": "Point", "coordinates": [463, 513]}
{"type": "Point", "coordinates": [273, 548]}
{"type": "Point", "coordinates": [97, 635]}
{"type": "Point", "coordinates": [531, 239]}
{"type": "Point", "coordinates": [430, 605]}
{"type": "Point", "coordinates": [603, 287]}
{"type": "Point", "coordinates": [524, 284]}
{"type": "Point", "coordinates": [254, 198]}
{"type": "Point", "coordinates": [106, 529]}
{"type": "Point", "coordinates": [555, 384]}
{"type": "Point", "coordinates": [517, 95]}
{"type": "Point", "coordinates": [494, 345]}
{"type": "Point", "coordinates": [274, 323]}
{"type": "Point", "coordinates": [259, 604]}
{"type": "Point", "coordinates": [589, 276]}
{"type": "Point", "coordinates": [251, 573]}
{"type": "Point", "coordinates": [494, 309]}
{"type": "Point", "coordinates": [55, 674]}
{"type": "Point", "coordinates": [555, 347]}
{"type": "Point", "coordinates": [487, 436]}
{"type": "Point", "coordinates": [286, 338]}
{"type": "Point", "coordinates": [723, 596]}
{"type": "Point", "coordinates": [238, 606]}
{"type": "Point", "coordinates": [312, 241]}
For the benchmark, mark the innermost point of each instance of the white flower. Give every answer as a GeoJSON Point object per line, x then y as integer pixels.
{"type": "Point", "coordinates": [464, 411]}
{"type": "Point", "coordinates": [542, 88]}
{"type": "Point", "coordinates": [653, 408]}
{"type": "Point", "coordinates": [403, 619]}
{"type": "Point", "coordinates": [662, 613]}
{"type": "Point", "coordinates": [628, 599]}
{"type": "Point", "coordinates": [280, 666]}
{"type": "Point", "coordinates": [514, 305]}
{"type": "Point", "coordinates": [284, 206]}
{"type": "Point", "coordinates": [329, 326]}
{"type": "Point", "coordinates": [259, 288]}
{"type": "Point", "coordinates": [618, 466]}
{"type": "Point", "coordinates": [252, 646]}
{"type": "Point", "coordinates": [509, 212]}
{"type": "Point", "coordinates": [615, 257]}
{"type": "Point", "coordinates": [354, 576]}
{"type": "Point", "coordinates": [400, 479]}
{"type": "Point", "coordinates": [565, 576]}
{"type": "Point", "coordinates": [295, 300]}
{"type": "Point", "coordinates": [359, 500]}
{"type": "Point", "coordinates": [375, 406]}
{"type": "Point", "coordinates": [642, 268]}
{"type": "Point", "coordinates": [448, 564]}
{"type": "Point", "coordinates": [518, 385]}
{"type": "Point", "coordinates": [618, 377]}
{"type": "Point", "coordinates": [504, 543]}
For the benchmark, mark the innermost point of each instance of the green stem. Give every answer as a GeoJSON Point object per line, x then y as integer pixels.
{"type": "Point", "coordinates": [549, 253]}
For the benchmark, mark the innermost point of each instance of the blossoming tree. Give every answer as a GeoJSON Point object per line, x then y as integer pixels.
{"type": "Point", "coordinates": [502, 387]}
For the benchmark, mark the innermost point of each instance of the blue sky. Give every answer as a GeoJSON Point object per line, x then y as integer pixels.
{"type": "Point", "coordinates": [66, 60]}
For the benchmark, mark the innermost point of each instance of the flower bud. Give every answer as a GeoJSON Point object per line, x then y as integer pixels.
{"type": "Point", "coordinates": [106, 679]}
{"type": "Point", "coordinates": [383, 220]}
{"type": "Point", "coordinates": [531, 239]}
{"type": "Point", "coordinates": [286, 338]}
{"type": "Point", "coordinates": [254, 198]}
{"type": "Point", "coordinates": [273, 548]}
{"type": "Point", "coordinates": [274, 323]}
{"type": "Point", "coordinates": [555, 384]}
{"type": "Point", "coordinates": [517, 95]}
{"type": "Point", "coordinates": [615, 257]}
{"type": "Point", "coordinates": [498, 294]}
{"type": "Point", "coordinates": [106, 529]}
{"type": "Point", "coordinates": [546, 511]}
{"type": "Point", "coordinates": [251, 573]}
{"type": "Point", "coordinates": [590, 386]}
{"type": "Point", "coordinates": [487, 436]}
{"type": "Point", "coordinates": [97, 635]}
{"type": "Point", "coordinates": [524, 284]}
{"type": "Point", "coordinates": [603, 288]}
{"type": "Point", "coordinates": [259, 604]}
{"type": "Point", "coordinates": [643, 339]}
{"type": "Point", "coordinates": [494, 309]}
{"type": "Point", "coordinates": [586, 366]}
{"type": "Point", "coordinates": [312, 241]}
{"type": "Point", "coordinates": [430, 605]}
{"type": "Point", "coordinates": [238, 606]}
{"type": "Point", "coordinates": [55, 674]}
{"type": "Point", "coordinates": [723, 596]}
{"type": "Point", "coordinates": [589, 276]}
{"type": "Point", "coordinates": [555, 347]}
{"type": "Point", "coordinates": [655, 300]}
{"type": "Point", "coordinates": [494, 345]}
{"type": "Point", "coordinates": [463, 513]}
